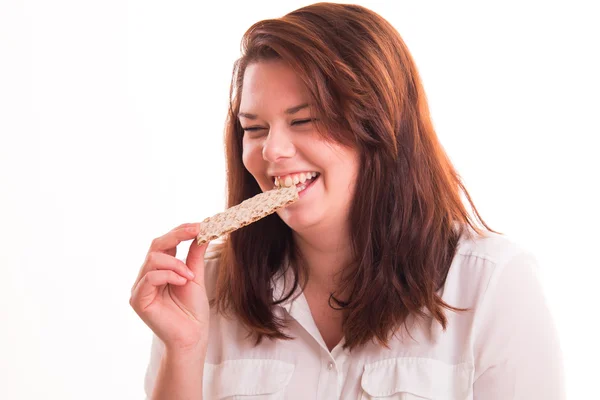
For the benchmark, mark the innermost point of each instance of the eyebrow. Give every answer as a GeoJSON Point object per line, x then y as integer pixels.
{"type": "Point", "coordinates": [291, 110]}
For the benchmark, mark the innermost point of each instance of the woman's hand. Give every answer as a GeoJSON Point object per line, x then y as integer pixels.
{"type": "Point", "coordinates": [169, 295]}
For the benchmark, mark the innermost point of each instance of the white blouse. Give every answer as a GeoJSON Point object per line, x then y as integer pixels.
{"type": "Point", "coordinates": [505, 348]}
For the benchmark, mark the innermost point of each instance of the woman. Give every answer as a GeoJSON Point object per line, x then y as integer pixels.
{"type": "Point", "coordinates": [378, 283]}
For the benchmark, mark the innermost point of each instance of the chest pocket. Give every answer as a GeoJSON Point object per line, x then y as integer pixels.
{"type": "Point", "coordinates": [413, 378]}
{"type": "Point", "coordinates": [246, 379]}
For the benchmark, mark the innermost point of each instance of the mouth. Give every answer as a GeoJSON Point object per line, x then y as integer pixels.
{"type": "Point", "coordinates": [301, 180]}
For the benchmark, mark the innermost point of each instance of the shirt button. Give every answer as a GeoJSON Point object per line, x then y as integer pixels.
{"type": "Point", "coordinates": [330, 366]}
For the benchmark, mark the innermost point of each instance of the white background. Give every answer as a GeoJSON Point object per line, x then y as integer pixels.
{"type": "Point", "coordinates": [111, 122]}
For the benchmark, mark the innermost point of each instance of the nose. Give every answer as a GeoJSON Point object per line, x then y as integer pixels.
{"type": "Point", "coordinates": [278, 145]}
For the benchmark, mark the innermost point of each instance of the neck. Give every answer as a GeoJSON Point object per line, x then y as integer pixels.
{"type": "Point", "coordinates": [325, 253]}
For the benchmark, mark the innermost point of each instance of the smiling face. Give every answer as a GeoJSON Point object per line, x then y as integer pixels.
{"type": "Point", "coordinates": [281, 146]}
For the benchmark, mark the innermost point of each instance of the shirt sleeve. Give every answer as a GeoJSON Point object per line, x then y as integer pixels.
{"type": "Point", "coordinates": [516, 347]}
{"type": "Point", "coordinates": [156, 353]}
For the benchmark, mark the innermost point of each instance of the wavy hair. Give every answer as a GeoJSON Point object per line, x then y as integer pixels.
{"type": "Point", "coordinates": [368, 94]}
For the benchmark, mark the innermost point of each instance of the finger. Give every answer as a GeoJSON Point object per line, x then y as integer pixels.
{"type": "Point", "coordinates": [147, 288]}
{"type": "Point", "coordinates": [168, 244]}
{"type": "Point", "coordinates": [173, 251]}
{"type": "Point", "coordinates": [161, 261]}
{"type": "Point", "coordinates": [195, 261]}
{"type": "Point", "coordinates": [171, 239]}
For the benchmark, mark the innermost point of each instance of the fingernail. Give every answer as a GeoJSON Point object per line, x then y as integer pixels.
{"type": "Point", "coordinates": [190, 273]}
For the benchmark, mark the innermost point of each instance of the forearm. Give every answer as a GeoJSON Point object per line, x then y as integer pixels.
{"type": "Point", "coordinates": [180, 376]}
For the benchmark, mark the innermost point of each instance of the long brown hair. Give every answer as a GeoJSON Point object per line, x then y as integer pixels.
{"type": "Point", "coordinates": [368, 94]}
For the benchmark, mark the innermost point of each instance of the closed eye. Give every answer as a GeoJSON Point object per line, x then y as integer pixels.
{"type": "Point", "coordinates": [252, 129]}
{"type": "Point", "coordinates": [303, 121]}
{"type": "Point", "coordinates": [258, 128]}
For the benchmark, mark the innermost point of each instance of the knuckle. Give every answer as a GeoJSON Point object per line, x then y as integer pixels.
{"type": "Point", "coordinates": [148, 278]}
{"type": "Point", "coordinates": [151, 257]}
{"type": "Point", "coordinates": [155, 243]}
{"type": "Point", "coordinates": [132, 302]}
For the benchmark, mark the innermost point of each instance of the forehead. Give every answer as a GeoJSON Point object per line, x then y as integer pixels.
{"type": "Point", "coordinates": [271, 84]}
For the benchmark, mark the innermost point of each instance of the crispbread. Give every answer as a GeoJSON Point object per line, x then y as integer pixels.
{"type": "Point", "coordinates": [245, 213]}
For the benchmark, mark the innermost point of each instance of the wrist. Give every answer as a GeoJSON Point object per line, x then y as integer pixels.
{"type": "Point", "coordinates": [192, 355]}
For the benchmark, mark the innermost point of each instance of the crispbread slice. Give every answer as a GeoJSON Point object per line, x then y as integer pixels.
{"type": "Point", "coordinates": [245, 213]}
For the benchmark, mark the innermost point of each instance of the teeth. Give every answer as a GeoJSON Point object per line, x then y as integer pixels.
{"type": "Point", "coordinates": [290, 180]}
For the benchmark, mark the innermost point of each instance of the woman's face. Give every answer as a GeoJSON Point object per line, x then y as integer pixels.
{"type": "Point", "coordinates": [281, 146]}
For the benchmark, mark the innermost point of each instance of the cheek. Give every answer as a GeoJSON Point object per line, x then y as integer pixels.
{"type": "Point", "coordinates": [251, 156]}
{"type": "Point", "coordinates": [347, 172]}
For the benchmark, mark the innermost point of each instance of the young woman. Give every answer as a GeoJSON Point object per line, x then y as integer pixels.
{"type": "Point", "coordinates": [378, 283]}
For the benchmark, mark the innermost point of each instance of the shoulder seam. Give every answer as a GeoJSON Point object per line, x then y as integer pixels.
{"type": "Point", "coordinates": [482, 256]}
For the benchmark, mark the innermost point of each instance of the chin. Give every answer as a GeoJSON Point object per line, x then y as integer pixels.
{"type": "Point", "coordinates": [297, 219]}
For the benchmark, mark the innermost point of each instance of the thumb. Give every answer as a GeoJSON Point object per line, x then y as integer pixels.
{"type": "Point", "coordinates": [195, 261]}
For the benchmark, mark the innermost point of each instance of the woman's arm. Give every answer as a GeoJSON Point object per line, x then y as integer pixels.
{"type": "Point", "coordinates": [174, 375]}
{"type": "Point", "coordinates": [180, 377]}
{"type": "Point", "coordinates": [516, 346]}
